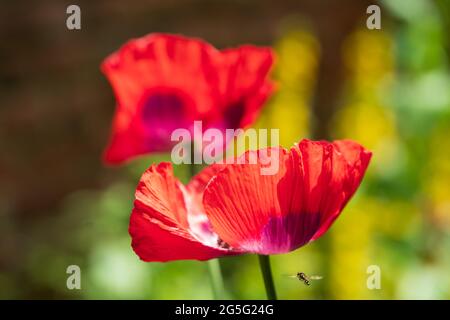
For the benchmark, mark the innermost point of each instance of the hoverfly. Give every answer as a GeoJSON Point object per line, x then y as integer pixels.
{"type": "Point", "coordinates": [304, 278]}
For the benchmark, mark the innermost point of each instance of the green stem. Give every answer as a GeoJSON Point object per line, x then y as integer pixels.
{"type": "Point", "coordinates": [264, 264]}
{"type": "Point", "coordinates": [215, 275]}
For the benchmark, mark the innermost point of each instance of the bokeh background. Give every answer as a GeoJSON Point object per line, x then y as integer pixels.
{"type": "Point", "coordinates": [388, 89]}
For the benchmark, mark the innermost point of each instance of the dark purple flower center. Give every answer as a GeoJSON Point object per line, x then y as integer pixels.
{"type": "Point", "coordinates": [286, 233]}
{"type": "Point", "coordinates": [164, 112]}
{"type": "Point", "coordinates": [233, 115]}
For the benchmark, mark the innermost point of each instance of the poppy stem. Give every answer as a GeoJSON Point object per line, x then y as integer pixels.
{"type": "Point", "coordinates": [215, 275]}
{"type": "Point", "coordinates": [264, 264]}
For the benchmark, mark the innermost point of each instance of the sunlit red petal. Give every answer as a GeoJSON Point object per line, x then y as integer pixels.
{"type": "Point", "coordinates": [240, 201]}
{"type": "Point", "coordinates": [153, 241]}
{"type": "Point", "coordinates": [198, 221]}
{"type": "Point", "coordinates": [278, 213]}
{"type": "Point", "coordinates": [350, 161]}
{"type": "Point", "coordinates": [159, 223]}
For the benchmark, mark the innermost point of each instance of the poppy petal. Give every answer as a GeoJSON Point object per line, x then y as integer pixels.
{"type": "Point", "coordinates": [245, 83]}
{"type": "Point", "coordinates": [350, 162]}
{"type": "Point", "coordinates": [198, 220]}
{"type": "Point", "coordinates": [154, 78]}
{"type": "Point", "coordinates": [160, 75]}
{"type": "Point", "coordinates": [239, 201]}
{"type": "Point", "coordinates": [281, 212]}
{"type": "Point", "coordinates": [199, 182]}
{"type": "Point", "coordinates": [162, 61]}
{"type": "Point", "coordinates": [159, 223]}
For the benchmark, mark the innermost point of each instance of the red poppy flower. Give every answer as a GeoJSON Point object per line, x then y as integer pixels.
{"type": "Point", "coordinates": [165, 82]}
{"type": "Point", "coordinates": [243, 211]}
